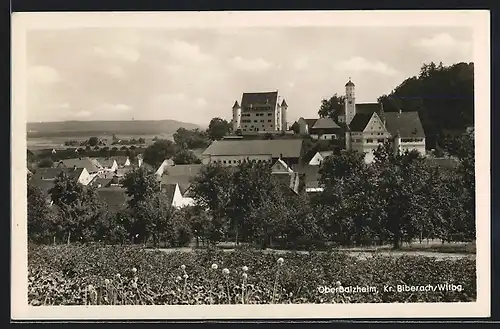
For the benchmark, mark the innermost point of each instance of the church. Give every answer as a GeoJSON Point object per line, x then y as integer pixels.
{"type": "Point", "coordinates": [368, 126]}
{"type": "Point", "coordinates": [260, 112]}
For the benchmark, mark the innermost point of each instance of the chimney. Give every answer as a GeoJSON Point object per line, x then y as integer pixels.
{"type": "Point", "coordinates": [281, 156]}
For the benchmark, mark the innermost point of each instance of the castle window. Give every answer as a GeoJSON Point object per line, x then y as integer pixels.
{"type": "Point", "coordinates": [268, 120]}
{"type": "Point", "coordinates": [350, 102]}
{"type": "Point", "coordinates": [369, 140]}
{"type": "Point", "coordinates": [380, 140]}
{"type": "Point", "coordinates": [255, 120]}
{"type": "Point", "coordinates": [269, 114]}
{"type": "Point", "coordinates": [244, 129]}
{"type": "Point", "coordinates": [224, 161]}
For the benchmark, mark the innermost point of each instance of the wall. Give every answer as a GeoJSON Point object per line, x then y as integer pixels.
{"type": "Point", "coordinates": [316, 160]}
{"type": "Point", "coordinates": [85, 178]}
{"type": "Point", "coordinates": [235, 158]}
{"type": "Point", "coordinates": [324, 136]}
{"type": "Point", "coordinates": [263, 120]}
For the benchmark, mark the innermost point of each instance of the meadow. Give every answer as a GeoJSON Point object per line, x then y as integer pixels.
{"type": "Point", "coordinates": [94, 274]}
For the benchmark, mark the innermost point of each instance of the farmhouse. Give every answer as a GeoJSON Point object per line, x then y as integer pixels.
{"type": "Point", "coordinates": [260, 112]}
{"type": "Point", "coordinates": [176, 196]}
{"type": "Point", "coordinates": [107, 164]}
{"type": "Point", "coordinates": [50, 174]}
{"type": "Point", "coordinates": [231, 153]}
{"type": "Point", "coordinates": [318, 158]}
{"type": "Point", "coordinates": [85, 162]}
{"type": "Point", "coordinates": [368, 126]}
{"type": "Point", "coordinates": [161, 169]}
{"type": "Point", "coordinates": [322, 128]}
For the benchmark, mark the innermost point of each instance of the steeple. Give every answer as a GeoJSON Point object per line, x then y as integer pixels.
{"type": "Point", "coordinates": [349, 83]}
{"type": "Point", "coordinates": [236, 105]}
{"type": "Point", "coordinates": [350, 102]}
{"type": "Point", "coordinates": [284, 104]}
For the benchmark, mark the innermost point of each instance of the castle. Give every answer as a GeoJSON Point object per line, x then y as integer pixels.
{"type": "Point", "coordinates": [261, 112]}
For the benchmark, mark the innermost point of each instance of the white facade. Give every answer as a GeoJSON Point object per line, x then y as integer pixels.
{"type": "Point", "coordinates": [324, 136]}
{"type": "Point", "coordinates": [179, 200]}
{"type": "Point", "coordinates": [236, 116]}
{"type": "Point", "coordinates": [85, 178]}
{"type": "Point", "coordinates": [159, 172]}
{"type": "Point", "coordinates": [350, 102]}
{"type": "Point", "coordinates": [265, 119]}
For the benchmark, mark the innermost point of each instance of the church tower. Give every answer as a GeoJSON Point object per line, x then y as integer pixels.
{"type": "Point", "coordinates": [236, 116]}
{"type": "Point", "coordinates": [350, 102]}
{"type": "Point", "coordinates": [284, 108]}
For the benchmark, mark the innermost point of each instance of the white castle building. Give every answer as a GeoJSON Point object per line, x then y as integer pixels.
{"type": "Point", "coordinates": [260, 112]}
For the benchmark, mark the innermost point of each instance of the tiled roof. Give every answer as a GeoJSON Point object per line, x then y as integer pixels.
{"type": "Point", "coordinates": [105, 162]}
{"type": "Point", "coordinates": [96, 163]}
{"type": "Point", "coordinates": [325, 123]}
{"type": "Point", "coordinates": [42, 184]}
{"type": "Point", "coordinates": [181, 174]}
{"type": "Point", "coordinates": [115, 198]}
{"type": "Point", "coordinates": [52, 173]}
{"type": "Point", "coordinates": [103, 182]}
{"type": "Point", "coordinates": [280, 164]}
{"type": "Point", "coordinates": [123, 171]}
{"type": "Point", "coordinates": [310, 122]}
{"type": "Point", "coordinates": [80, 163]}
{"type": "Point", "coordinates": [236, 105]}
{"type": "Point", "coordinates": [367, 108]}
{"type": "Point", "coordinates": [288, 148]}
{"type": "Point", "coordinates": [408, 124]}
{"type": "Point", "coordinates": [259, 99]}
{"type": "Point", "coordinates": [120, 160]}
{"type": "Point", "coordinates": [360, 121]}
{"type": "Point", "coordinates": [349, 83]}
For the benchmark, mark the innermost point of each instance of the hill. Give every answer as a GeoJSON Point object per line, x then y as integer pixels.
{"type": "Point", "coordinates": [89, 128]}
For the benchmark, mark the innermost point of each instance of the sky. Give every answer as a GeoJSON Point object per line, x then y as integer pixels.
{"type": "Point", "coordinates": [194, 74]}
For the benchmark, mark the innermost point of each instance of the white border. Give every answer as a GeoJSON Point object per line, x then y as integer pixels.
{"type": "Point", "coordinates": [477, 20]}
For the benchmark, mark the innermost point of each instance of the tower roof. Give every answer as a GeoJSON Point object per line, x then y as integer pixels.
{"type": "Point", "coordinates": [236, 105]}
{"type": "Point", "coordinates": [284, 104]}
{"type": "Point", "coordinates": [349, 83]}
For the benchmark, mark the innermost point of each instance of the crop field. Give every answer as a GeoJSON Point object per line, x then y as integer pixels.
{"type": "Point", "coordinates": [119, 275]}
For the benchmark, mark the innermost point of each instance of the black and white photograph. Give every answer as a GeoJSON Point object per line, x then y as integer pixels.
{"type": "Point", "coordinates": [210, 165]}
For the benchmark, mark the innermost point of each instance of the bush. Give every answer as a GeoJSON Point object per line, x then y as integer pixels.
{"type": "Point", "coordinates": [94, 274]}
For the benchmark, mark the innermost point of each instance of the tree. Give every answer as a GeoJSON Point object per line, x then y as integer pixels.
{"type": "Point", "coordinates": [41, 218]}
{"type": "Point", "coordinates": [79, 207]}
{"type": "Point", "coordinates": [141, 184]}
{"type": "Point", "coordinates": [191, 139]}
{"type": "Point", "coordinates": [186, 157]}
{"type": "Point", "coordinates": [218, 128]}
{"type": "Point", "coordinates": [212, 189]}
{"type": "Point", "coordinates": [158, 152]}
{"type": "Point", "coordinates": [332, 107]}
{"type": "Point", "coordinates": [45, 163]}
{"type": "Point", "coordinates": [93, 141]}
{"type": "Point", "coordinates": [153, 216]}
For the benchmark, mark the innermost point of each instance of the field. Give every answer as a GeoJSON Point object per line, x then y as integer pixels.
{"type": "Point", "coordinates": [57, 142]}
{"type": "Point", "coordinates": [118, 275]}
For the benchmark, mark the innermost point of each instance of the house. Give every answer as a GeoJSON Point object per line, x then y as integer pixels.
{"type": "Point", "coordinates": [84, 162]}
{"type": "Point", "coordinates": [124, 161]}
{"type": "Point", "coordinates": [260, 112]}
{"type": "Point", "coordinates": [305, 125]}
{"type": "Point", "coordinates": [183, 175]}
{"type": "Point", "coordinates": [50, 174]}
{"type": "Point", "coordinates": [231, 153]}
{"type": "Point", "coordinates": [99, 182]}
{"type": "Point", "coordinates": [325, 128]}
{"type": "Point", "coordinates": [163, 166]}
{"type": "Point", "coordinates": [286, 176]}
{"type": "Point", "coordinates": [115, 198]}
{"type": "Point", "coordinates": [318, 158]}
{"type": "Point", "coordinates": [310, 177]}
{"type": "Point", "coordinates": [368, 126]}
{"type": "Point", "coordinates": [107, 164]}
{"type": "Point", "coordinates": [176, 196]}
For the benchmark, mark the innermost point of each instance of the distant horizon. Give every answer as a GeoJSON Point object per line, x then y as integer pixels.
{"type": "Point", "coordinates": [112, 120]}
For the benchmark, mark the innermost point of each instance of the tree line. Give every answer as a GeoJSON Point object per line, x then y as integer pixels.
{"type": "Point", "coordinates": [397, 199]}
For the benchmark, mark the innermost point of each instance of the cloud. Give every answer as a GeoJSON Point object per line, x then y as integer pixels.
{"type": "Point", "coordinates": [201, 102]}
{"type": "Point", "coordinates": [258, 64]}
{"type": "Point", "coordinates": [173, 68]}
{"type": "Point", "coordinates": [125, 53]}
{"type": "Point", "coordinates": [357, 64]}
{"type": "Point", "coordinates": [300, 63]}
{"type": "Point", "coordinates": [116, 108]}
{"type": "Point", "coordinates": [443, 44]}
{"type": "Point", "coordinates": [185, 51]}
{"type": "Point", "coordinates": [43, 74]}
{"type": "Point", "coordinates": [168, 98]}
{"type": "Point", "coordinates": [115, 71]}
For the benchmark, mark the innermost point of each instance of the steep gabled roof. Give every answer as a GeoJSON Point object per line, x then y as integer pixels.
{"type": "Point", "coordinates": [359, 122]}
{"type": "Point", "coordinates": [367, 108]}
{"type": "Point", "coordinates": [47, 173]}
{"type": "Point", "coordinates": [311, 174]}
{"type": "Point", "coordinates": [259, 99]}
{"type": "Point", "coordinates": [288, 148]}
{"type": "Point", "coordinates": [325, 123]}
{"type": "Point", "coordinates": [106, 162]}
{"type": "Point", "coordinates": [121, 159]}
{"type": "Point", "coordinates": [325, 154]}
{"type": "Point", "coordinates": [310, 122]}
{"type": "Point", "coordinates": [280, 164]}
{"type": "Point", "coordinates": [408, 124]}
{"type": "Point", "coordinates": [42, 184]}
{"type": "Point", "coordinates": [169, 191]}
{"type": "Point", "coordinates": [80, 163]}
{"type": "Point", "coordinates": [183, 175]}
{"type": "Point", "coordinates": [284, 104]}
